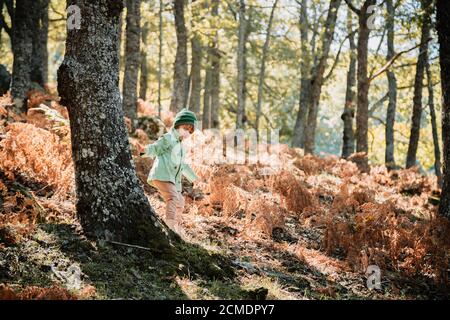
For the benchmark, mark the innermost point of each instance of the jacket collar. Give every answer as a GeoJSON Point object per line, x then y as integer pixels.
{"type": "Point", "coordinates": [174, 132]}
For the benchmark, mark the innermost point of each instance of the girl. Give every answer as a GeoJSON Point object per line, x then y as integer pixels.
{"type": "Point", "coordinates": [169, 165]}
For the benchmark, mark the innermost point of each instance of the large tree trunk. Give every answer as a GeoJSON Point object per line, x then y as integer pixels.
{"type": "Point", "coordinates": [418, 85]}
{"type": "Point", "coordinates": [262, 71]}
{"type": "Point", "coordinates": [180, 75]}
{"type": "Point", "coordinates": [39, 62]}
{"type": "Point", "coordinates": [443, 28]}
{"type": "Point", "coordinates": [305, 81]}
{"type": "Point", "coordinates": [392, 83]}
{"type": "Point", "coordinates": [143, 82]}
{"type": "Point", "coordinates": [120, 38]}
{"type": "Point", "coordinates": [110, 203]}
{"type": "Point", "coordinates": [362, 111]}
{"type": "Point", "coordinates": [241, 66]}
{"type": "Point", "coordinates": [22, 43]}
{"type": "Point", "coordinates": [132, 55]}
{"type": "Point", "coordinates": [437, 150]}
{"type": "Point", "coordinates": [318, 76]}
{"type": "Point", "coordinates": [348, 143]}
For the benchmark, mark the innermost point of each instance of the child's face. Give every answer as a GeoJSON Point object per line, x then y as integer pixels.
{"type": "Point", "coordinates": [185, 131]}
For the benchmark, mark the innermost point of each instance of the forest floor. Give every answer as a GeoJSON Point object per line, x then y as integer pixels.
{"type": "Point", "coordinates": [308, 231]}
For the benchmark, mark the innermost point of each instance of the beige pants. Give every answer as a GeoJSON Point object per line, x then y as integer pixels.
{"type": "Point", "coordinates": [174, 199]}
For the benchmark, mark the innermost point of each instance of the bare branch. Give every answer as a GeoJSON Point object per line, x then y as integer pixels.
{"type": "Point", "coordinates": [394, 58]}
{"type": "Point", "coordinates": [352, 7]}
{"type": "Point", "coordinates": [336, 61]}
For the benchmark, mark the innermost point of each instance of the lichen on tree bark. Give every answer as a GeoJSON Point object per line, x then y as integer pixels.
{"type": "Point", "coordinates": [110, 203]}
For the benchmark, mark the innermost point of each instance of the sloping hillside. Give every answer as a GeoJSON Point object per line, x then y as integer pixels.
{"type": "Point", "coordinates": [308, 230]}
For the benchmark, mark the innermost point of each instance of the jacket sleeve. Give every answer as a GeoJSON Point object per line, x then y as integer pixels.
{"type": "Point", "coordinates": [189, 173]}
{"type": "Point", "coordinates": [159, 147]}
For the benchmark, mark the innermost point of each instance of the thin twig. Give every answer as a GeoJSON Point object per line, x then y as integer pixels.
{"type": "Point", "coordinates": [129, 245]}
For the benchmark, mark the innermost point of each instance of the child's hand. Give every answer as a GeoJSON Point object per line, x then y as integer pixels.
{"type": "Point", "coordinates": [140, 148]}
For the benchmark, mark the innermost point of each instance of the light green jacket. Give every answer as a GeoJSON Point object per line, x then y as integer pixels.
{"type": "Point", "coordinates": [169, 164]}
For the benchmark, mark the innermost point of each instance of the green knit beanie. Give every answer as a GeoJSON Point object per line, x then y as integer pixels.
{"type": "Point", "coordinates": [185, 117]}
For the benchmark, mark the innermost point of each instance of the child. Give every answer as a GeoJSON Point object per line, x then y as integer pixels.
{"type": "Point", "coordinates": [169, 165]}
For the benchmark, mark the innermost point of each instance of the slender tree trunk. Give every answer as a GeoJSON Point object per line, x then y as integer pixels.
{"type": "Point", "coordinates": [392, 83]}
{"type": "Point", "coordinates": [241, 65]}
{"type": "Point", "coordinates": [132, 58]}
{"type": "Point", "coordinates": [196, 68]}
{"type": "Point", "coordinates": [305, 81]}
{"type": "Point", "coordinates": [9, 4]}
{"type": "Point", "coordinates": [5, 76]}
{"type": "Point", "coordinates": [39, 62]}
{"type": "Point", "coordinates": [437, 151]}
{"type": "Point", "coordinates": [443, 29]}
{"type": "Point", "coordinates": [143, 82]}
{"type": "Point", "coordinates": [418, 85]}
{"type": "Point", "coordinates": [111, 203]}
{"type": "Point", "coordinates": [23, 25]}
{"type": "Point", "coordinates": [262, 71]}
{"type": "Point", "coordinates": [318, 76]}
{"type": "Point", "coordinates": [180, 76]}
{"type": "Point", "coordinates": [211, 101]}
{"type": "Point", "coordinates": [196, 78]}
{"type": "Point", "coordinates": [215, 87]}
{"type": "Point", "coordinates": [215, 69]}
{"type": "Point", "coordinates": [206, 115]}
{"type": "Point", "coordinates": [348, 144]}
{"type": "Point", "coordinates": [196, 64]}
{"type": "Point", "coordinates": [362, 111]}
{"type": "Point", "coordinates": [160, 49]}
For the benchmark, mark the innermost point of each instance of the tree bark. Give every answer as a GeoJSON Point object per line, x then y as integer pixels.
{"type": "Point", "coordinates": [180, 75]}
{"type": "Point", "coordinates": [160, 49]}
{"type": "Point", "coordinates": [215, 69]}
{"type": "Point", "coordinates": [418, 85]}
{"type": "Point", "coordinates": [392, 83]}
{"type": "Point", "coordinates": [348, 144]}
{"type": "Point", "coordinates": [262, 71]}
{"type": "Point", "coordinates": [305, 82]}
{"type": "Point", "coordinates": [110, 203]}
{"type": "Point", "coordinates": [318, 76]}
{"type": "Point", "coordinates": [196, 64]}
{"type": "Point", "coordinates": [22, 43]}
{"type": "Point", "coordinates": [241, 65]}
{"type": "Point", "coordinates": [143, 82]}
{"type": "Point", "coordinates": [196, 78]}
{"type": "Point", "coordinates": [39, 59]}
{"type": "Point", "coordinates": [362, 110]}
{"type": "Point", "coordinates": [120, 40]}
{"type": "Point", "coordinates": [437, 150]}
{"type": "Point", "coordinates": [132, 58]}
{"type": "Point", "coordinates": [206, 114]}
{"type": "Point", "coordinates": [443, 29]}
